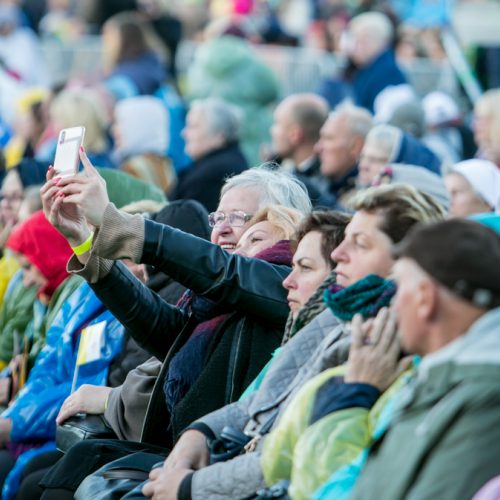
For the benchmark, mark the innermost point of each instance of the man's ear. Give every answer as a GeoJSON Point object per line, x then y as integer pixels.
{"type": "Point", "coordinates": [357, 145]}
{"type": "Point", "coordinates": [427, 299]}
{"type": "Point", "coordinates": [296, 135]}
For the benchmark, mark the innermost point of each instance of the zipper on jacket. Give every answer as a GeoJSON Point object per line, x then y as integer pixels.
{"type": "Point", "coordinates": [235, 347]}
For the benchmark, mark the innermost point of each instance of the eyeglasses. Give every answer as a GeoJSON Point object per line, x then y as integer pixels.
{"type": "Point", "coordinates": [236, 219]}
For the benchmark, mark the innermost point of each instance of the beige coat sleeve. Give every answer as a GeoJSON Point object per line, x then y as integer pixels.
{"type": "Point", "coordinates": [121, 236]}
{"type": "Point", "coordinates": [127, 404]}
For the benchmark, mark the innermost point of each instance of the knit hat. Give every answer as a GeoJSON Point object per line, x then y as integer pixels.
{"type": "Point", "coordinates": [484, 177]}
{"type": "Point", "coordinates": [419, 177]}
{"type": "Point", "coordinates": [462, 255]}
{"type": "Point", "coordinates": [189, 216]}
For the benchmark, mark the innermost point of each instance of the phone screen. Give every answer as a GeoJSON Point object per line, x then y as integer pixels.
{"type": "Point", "coordinates": [67, 156]}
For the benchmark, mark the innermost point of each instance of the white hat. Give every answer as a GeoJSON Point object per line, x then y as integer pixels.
{"type": "Point", "coordinates": [484, 177]}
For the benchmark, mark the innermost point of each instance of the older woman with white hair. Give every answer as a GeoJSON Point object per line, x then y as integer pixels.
{"type": "Point", "coordinates": [474, 187]}
{"type": "Point", "coordinates": [211, 135]}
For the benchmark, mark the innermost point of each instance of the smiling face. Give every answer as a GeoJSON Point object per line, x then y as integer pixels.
{"type": "Point", "coordinates": [237, 199]}
{"type": "Point", "coordinates": [309, 270]}
{"type": "Point", "coordinates": [256, 238]}
{"type": "Point", "coordinates": [365, 250]}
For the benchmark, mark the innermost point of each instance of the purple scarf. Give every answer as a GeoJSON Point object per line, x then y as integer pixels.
{"type": "Point", "coordinates": [187, 365]}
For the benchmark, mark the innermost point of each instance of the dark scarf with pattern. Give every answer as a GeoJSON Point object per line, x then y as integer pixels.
{"type": "Point", "coordinates": [366, 297]}
{"type": "Point", "coordinates": [309, 310]}
{"type": "Point", "coordinates": [189, 361]}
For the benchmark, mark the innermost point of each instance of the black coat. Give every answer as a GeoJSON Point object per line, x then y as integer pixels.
{"type": "Point", "coordinates": [204, 179]}
{"type": "Point", "coordinates": [239, 348]}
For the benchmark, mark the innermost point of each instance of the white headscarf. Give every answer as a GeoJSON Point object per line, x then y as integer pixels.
{"type": "Point", "coordinates": [143, 123]}
{"type": "Point", "coordinates": [484, 177]}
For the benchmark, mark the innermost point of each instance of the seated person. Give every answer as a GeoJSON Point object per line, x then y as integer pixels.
{"type": "Point", "coordinates": [474, 188]}
{"type": "Point", "coordinates": [384, 215]}
{"type": "Point", "coordinates": [386, 144]}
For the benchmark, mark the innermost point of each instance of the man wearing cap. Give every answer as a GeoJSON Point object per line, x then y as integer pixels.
{"type": "Point", "coordinates": [443, 438]}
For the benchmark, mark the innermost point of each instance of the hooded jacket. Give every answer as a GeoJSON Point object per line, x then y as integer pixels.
{"type": "Point", "coordinates": [44, 247]}
{"type": "Point", "coordinates": [441, 441]}
{"type": "Point", "coordinates": [228, 68]}
{"type": "Point", "coordinates": [36, 406]}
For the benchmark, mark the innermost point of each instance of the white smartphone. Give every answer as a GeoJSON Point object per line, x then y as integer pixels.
{"type": "Point", "coordinates": [67, 159]}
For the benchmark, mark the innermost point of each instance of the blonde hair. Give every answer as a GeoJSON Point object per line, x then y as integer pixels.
{"type": "Point", "coordinates": [400, 207]}
{"type": "Point", "coordinates": [75, 107]}
{"type": "Point", "coordinates": [489, 104]}
{"type": "Point", "coordinates": [284, 219]}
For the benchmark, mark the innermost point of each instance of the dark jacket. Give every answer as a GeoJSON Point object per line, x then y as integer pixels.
{"type": "Point", "coordinates": [146, 72]}
{"type": "Point", "coordinates": [240, 347]}
{"type": "Point", "coordinates": [203, 181]}
{"type": "Point", "coordinates": [369, 81]}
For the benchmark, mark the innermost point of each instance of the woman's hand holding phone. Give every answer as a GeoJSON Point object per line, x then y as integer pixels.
{"type": "Point", "coordinates": [87, 191]}
{"type": "Point", "coordinates": [67, 218]}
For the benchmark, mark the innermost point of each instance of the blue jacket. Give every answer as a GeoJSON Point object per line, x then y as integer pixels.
{"type": "Point", "coordinates": [370, 80]}
{"type": "Point", "coordinates": [49, 383]}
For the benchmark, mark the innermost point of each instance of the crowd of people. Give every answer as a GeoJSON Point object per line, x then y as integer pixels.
{"type": "Point", "coordinates": [244, 294]}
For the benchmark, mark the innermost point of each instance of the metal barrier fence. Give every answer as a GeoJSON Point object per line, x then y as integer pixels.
{"type": "Point", "coordinates": [298, 69]}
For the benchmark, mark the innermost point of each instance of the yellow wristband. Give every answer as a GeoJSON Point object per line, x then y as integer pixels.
{"type": "Point", "coordinates": [106, 402]}
{"type": "Point", "coordinates": [85, 246]}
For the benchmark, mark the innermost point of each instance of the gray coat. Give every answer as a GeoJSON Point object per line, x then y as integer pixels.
{"type": "Point", "coordinates": [321, 344]}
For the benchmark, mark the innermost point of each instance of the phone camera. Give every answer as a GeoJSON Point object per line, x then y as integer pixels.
{"type": "Point", "coordinates": [63, 136]}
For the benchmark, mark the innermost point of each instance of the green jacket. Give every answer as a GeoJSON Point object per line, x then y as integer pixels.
{"type": "Point", "coordinates": [228, 68]}
{"type": "Point", "coordinates": [307, 455]}
{"type": "Point", "coordinates": [124, 189]}
{"type": "Point", "coordinates": [443, 440]}
{"type": "Point", "coordinates": [15, 315]}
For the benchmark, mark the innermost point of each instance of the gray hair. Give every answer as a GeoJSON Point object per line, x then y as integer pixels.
{"type": "Point", "coordinates": [359, 120]}
{"type": "Point", "coordinates": [386, 138]}
{"type": "Point", "coordinates": [274, 187]}
{"type": "Point", "coordinates": [375, 24]}
{"type": "Point", "coordinates": [221, 117]}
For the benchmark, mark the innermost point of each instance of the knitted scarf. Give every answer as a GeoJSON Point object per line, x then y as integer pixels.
{"type": "Point", "coordinates": [366, 297]}
{"type": "Point", "coordinates": [309, 310]}
{"type": "Point", "coordinates": [188, 363]}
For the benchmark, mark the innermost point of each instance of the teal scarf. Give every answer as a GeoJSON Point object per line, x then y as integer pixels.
{"type": "Point", "coordinates": [366, 297]}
